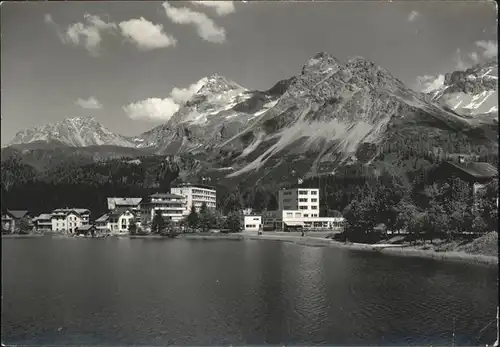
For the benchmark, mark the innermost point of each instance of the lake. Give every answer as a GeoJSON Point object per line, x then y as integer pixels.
{"type": "Point", "coordinates": [213, 292]}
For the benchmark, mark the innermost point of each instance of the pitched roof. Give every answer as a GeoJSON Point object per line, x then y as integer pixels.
{"type": "Point", "coordinates": [102, 218]}
{"type": "Point", "coordinates": [119, 211]}
{"type": "Point", "coordinates": [69, 210]}
{"type": "Point", "coordinates": [43, 216]}
{"type": "Point", "coordinates": [476, 169]}
{"type": "Point", "coordinates": [84, 227]}
{"type": "Point", "coordinates": [17, 214]}
{"type": "Point", "coordinates": [114, 201]}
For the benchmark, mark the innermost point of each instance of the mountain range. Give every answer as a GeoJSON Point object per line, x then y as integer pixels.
{"type": "Point", "coordinates": [329, 115]}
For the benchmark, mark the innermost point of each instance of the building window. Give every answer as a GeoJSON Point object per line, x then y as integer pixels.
{"type": "Point", "coordinates": [302, 207]}
{"type": "Point", "coordinates": [314, 192]}
{"type": "Point", "coordinates": [303, 200]}
{"type": "Point", "coordinates": [250, 226]}
{"type": "Point", "coordinates": [302, 192]}
{"type": "Point", "coordinates": [287, 193]}
{"type": "Point", "coordinates": [314, 207]}
{"type": "Point", "coordinates": [289, 214]}
{"type": "Point", "coordinates": [314, 200]}
{"type": "Point", "coordinates": [306, 215]}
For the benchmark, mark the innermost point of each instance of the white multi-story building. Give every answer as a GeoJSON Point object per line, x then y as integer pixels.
{"type": "Point", "coordinates": [172, 206]}
{"type": "Point", "coordinates": [299, 208]}
{"type": "Point", "coordinates": [196, 194]}
{"type": "Point", "coordinates": [68, 219]}
{"type": "Point", "coordinates": [305, 200]}
{"type": "Point", "coordinates": [252, 222]}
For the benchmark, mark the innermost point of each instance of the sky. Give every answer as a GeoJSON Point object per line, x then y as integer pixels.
{"type": "Point", "coordinates": [132, 64]}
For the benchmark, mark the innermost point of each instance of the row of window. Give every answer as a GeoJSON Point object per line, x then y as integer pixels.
{"type": "Point", "coordinates": [248, 226]}
{"type": "Point", "coordinates": [313, 207]}
{"type": "Point", "coordinates": [203, 192]}
{"type": "Point", "coordinates": [298, 214]}
{"type": "Point", "coordinates": [305, 192]}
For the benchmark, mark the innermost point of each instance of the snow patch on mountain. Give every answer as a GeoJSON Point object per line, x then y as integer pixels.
{"type": "Point", "coordinates": [75, 132]}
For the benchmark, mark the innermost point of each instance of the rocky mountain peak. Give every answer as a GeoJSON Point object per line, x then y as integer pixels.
{"type": "Point", "coordinates": [216, 84]}
{"type": "Point", "coordinates": [320, 63]}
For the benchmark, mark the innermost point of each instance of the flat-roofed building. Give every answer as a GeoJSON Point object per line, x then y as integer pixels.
{"type": "Point", "coordinates": [172, 206]}
{"type": "Point", "coordinates": [305, 200]}
{"type": "Point", "coordinates": [252, 222]}
{"type": "Point", "coordinates": [196, 194]}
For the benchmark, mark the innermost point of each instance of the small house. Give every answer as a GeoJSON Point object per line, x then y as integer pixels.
{"type": "Point", "coordinates": [252, 223]}
{"type": "Point", "coordinates": [12, 220]}
{"type": "Point", "coordinates": [86, 229]}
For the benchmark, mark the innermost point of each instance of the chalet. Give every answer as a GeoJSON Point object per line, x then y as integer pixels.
{"type": "Point", "coordinates": [130, 203]}
{"type": "Point", "coordinates": [86, 230]}
{"type": "Point", "coordinates": [67, 219]}
{"type": "Point", "coordinates": [477, 174]}
{"type": "Point", "coordinates": [43, 222]}
{"type": "Point", "coordinates": [11, 220]}
{"type": "Point", "coordinates": [120, 219]}
{"type": "Point", "coordinates": [101, 223]}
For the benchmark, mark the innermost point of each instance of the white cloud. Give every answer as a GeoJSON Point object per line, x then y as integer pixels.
{"type": "Point", "coordinates": [91, 103]}
{"type": "Point", "coordinates": [88, 34]}
{"type": "Point", "coordinates": [221, 7]}
{"type": "Point", "coordinates": [47, 18]}
{"type": "Point", "coordinates": [182, 95]}
{"type": "Point", "coordinates": [427, 84]}
{"type": "Point", "coordinates": [205, 27]}
{"type": "Point", "coordinates": [413, 16]}
{"type": "Point", "coordinates": [157, 109]}
{"type": "Point", "coordinates": [146, 35]}
{"type": "Point", "coordinates": [490, 48]}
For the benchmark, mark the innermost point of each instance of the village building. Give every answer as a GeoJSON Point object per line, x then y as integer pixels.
{"type": "Point", "coordinates": [101, 224]}
{"type": "Point", "coordinates": [68, 219]}
{"type": "Point", "coordinates": [86, 230]}
{"type": "Point", "coordinates": [12, 220]}
{"type": "Point", "coordinates": [298, 208]}
{"type": "Point", "coordinates": [133, 204]}
{"type": "Point", "coordinates": [172, 207]}
{"type": "Point", "coordinates": [251, 222]}
{"type": "Point", "coordinates": [43, 222]}
{"type": "Point", "coordinates": [196, 194]}
{"type": "Point", "coordinates": [120, 219]}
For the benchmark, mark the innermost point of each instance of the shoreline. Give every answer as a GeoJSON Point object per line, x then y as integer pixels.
{"type": "Point", "coordinates": [407, 251]}
{"type": "Point", "coordinates": [312, 241]}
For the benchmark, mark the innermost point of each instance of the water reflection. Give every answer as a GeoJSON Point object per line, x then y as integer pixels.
{"type": "Point", "coordinates": [155, 292]}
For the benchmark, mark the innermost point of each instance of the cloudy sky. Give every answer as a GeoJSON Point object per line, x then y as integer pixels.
{"type": "Point", "coordinates": [130, 64]}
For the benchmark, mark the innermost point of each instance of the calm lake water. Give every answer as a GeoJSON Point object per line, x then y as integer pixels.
{"type": "Point", "coordinates": [212, 292]}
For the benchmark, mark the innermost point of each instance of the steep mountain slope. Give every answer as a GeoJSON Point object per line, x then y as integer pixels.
{"type": "Point", "coordinates": [473, 92]}
{"type": "Point", "coordinates": [331, 113]}
{"type": "Point", "coordinates": [75, 132]}
{"type": "Point", "coordinates": [217, 112]}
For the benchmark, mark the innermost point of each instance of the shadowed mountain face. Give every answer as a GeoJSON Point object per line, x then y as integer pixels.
{"type": "Point", "coordinates": [329, 115]}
